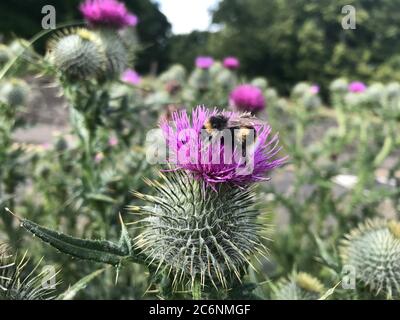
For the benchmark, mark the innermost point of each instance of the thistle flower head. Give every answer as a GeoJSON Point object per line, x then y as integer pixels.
{"type": "Point", "coordinates": [131, 76]}
{"type": "Point", "coordinates": [298, 286]}
{"type": "Point", "coordinates": [78, 54]}
{"type": "Point", "coordinates": [204, 62]}
{"type": "Point", "coordinates": [373, 249]}
{"type": "Point", "coordinates": [14, 92]}
{"type": "Point", "coordinates": [115, 51]}
{"type": "Point", "coordinates": [16, 284]}
{"type": "Point", "coordinates": [194, 233]}
{"type": "Point", "coordinates": [247, 97]}
{"type": "Point", "coordinates": [314, 89]}
{"type": "Point", "coordinates": [357, 87]}
{"type": "Point", "coordinates": [109, 13]}
{"type": "Point", "coordinates": [215, 162]}
{"type": "Point", "coordinates": [232, 63]}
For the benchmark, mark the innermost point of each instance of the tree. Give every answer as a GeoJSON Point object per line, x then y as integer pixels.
{"type": "Point", "coordinates": [290, 41]}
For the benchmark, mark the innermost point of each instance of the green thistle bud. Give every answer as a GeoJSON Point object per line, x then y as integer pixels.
{"type": "Point", "coordinates": [14, 92]}
{"type": "Point", "coordinates": [261, 83]}
{"type": "Point", "coordinates": [78, 55]}
{"type": "Point", "coordinates": [115, 51]}
{"type": "Point", "coordinates": [373, 249]}
{"type": "Point", "coordinates": [393, 91]}
{"type": "Point", "coordinates": [196, 233]}
{"type": "Point", "coordinates": [227, 79]}
{"type": "Point", "coordinates": [375, 94]}
{"type": "Point", "coordinates": [339, 85]}
{"type": "Point", "coordinates": [200, 79]}
{"type": "Point", "coordinates": [355, 100]}
{"type": "Point", "coordinates": [298, 286]}
{"type": "Point", "coordinates": [176, 73]}
{"type": "Point", "coordinates": [300, 89]}
{"type": "Point", "coordinates": [216, 69]}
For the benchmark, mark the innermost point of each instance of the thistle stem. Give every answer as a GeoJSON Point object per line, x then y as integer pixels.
{"type": "Point", "coordinates": [196, 290]}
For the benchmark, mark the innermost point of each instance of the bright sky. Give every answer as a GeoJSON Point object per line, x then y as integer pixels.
{"type": "Point", "coordinates": [187, 15]}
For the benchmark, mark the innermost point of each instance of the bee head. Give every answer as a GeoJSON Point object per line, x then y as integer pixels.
{"type": "Point", "coordinates": [217, 122]}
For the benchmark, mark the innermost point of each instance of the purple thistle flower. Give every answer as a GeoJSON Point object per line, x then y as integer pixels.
{"type": "Point", "coordinates": [357, 87]}
{"type": "Point", "coordinates": [314, 89]}
{"type": "Point", "coordinates": [191, 151]}
{"type": "Point", "coordinates": [108, 13]}
{"type": "Point", "coordinates": [131, 76]}
{"type": "Point", "coordinates": [204, 62]}
{"type": "Point", "coordinates": [231, 63]}
{"type": "Point", "coordinates": [113, 141]}
{"type": "Point", "coordinates": [248, 98]}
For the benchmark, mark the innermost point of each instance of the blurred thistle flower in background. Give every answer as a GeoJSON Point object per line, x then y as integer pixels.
{"type": "Point", "coordinates": [99, 157]}
{"type": "Point", "coordinates": [190, 151]}
{"type": "Point", "coordinates": [357, 87]}
{"type": "Point", "coordinates": [113, 141]}
{"type": "Point", "coordinates": [109, 13]}
{"type": "Point", "coordinates": [78, 54]}
{"type": "Point", "coordinates": [204, 62]}
{"type": "Point", "coordinates": [131, 76]}
{"type": "Point", "coordinates": [231, 63]}
{"type": "Point", "coordinates": [314, 89]}
{"type": "Point", "coordinates": [248, 98]}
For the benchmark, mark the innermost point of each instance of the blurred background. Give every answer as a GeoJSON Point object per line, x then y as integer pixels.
{"type": "Point", "coordinates": [290, 41]}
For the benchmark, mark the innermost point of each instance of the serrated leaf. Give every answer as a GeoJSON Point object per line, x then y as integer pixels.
{"type": "Point", "coordinates": [95, 250]}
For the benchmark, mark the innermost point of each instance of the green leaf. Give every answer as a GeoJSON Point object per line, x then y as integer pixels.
{"type": "Point", "coordinates": [100, 197]}
{"type": "Point", "coordinates": [71, 292]}
{"type": "Point", "coordinates": [95, 250]}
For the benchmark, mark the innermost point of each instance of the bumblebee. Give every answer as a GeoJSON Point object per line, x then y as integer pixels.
{"type": "Point", "coordinates": [241, 127]}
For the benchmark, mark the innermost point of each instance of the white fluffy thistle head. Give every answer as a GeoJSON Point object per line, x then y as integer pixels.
{"type": "Point", "coordinates": [78, 54]}
{"type": "Point", "coordinates": [373, 249]}
{"type": "Point", "coordinates": [196, 233]}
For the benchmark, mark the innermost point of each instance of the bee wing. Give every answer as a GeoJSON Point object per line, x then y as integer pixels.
{"type": "Point", "coordinates": [246, 121]}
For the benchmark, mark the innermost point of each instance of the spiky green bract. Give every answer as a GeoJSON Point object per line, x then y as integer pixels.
{"type": "Point", "coordinates": [373, 249]}
{"type": "Point", "coordinates": [115, 51]}
{"type": "Point", "coordinates": [78, 54]}
{"type": "Point", "coordinates": [18, 284]}
{"type": "Point", "coordinates": [198, 234]}
{"type": "Point", "coordinates": [298, 286]}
